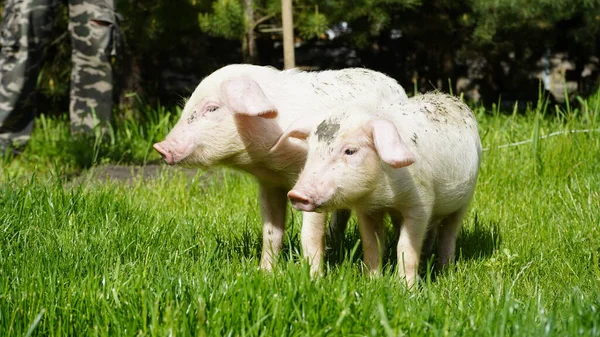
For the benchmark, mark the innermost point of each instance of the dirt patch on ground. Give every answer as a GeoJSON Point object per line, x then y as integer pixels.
{"type": "Point", "coordinates": [126, 173]}
{"type": "Point", "coordinates": [129, 174]}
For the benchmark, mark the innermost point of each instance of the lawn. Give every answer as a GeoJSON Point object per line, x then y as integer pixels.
{"type": "Point", "coordinates": [178, 254]}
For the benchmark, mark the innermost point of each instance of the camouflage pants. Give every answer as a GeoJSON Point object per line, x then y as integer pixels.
{"type": "Point", "coordinates": [25, 32]}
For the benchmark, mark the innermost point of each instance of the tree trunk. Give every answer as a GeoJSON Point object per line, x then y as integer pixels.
{"type": "Point", "coordinates": [128, 83]}
{"type": "Point", "coordinates": [289, 59]}
{"type": "Point", "coordinates": [249, 42]}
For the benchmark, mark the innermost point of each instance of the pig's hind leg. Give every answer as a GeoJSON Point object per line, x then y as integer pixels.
{"type": "Point", "coordinates": [448, 232]}
{"type": "Point", "coordinates": [430, 240]}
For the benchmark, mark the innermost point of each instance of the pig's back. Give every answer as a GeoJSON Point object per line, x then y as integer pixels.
{"type": "Point", "coordinates": [360, 83]}
{"type": "Point", "coordinates": [442, 132]}
{"type": "Point", "coordinates": [299, 94]}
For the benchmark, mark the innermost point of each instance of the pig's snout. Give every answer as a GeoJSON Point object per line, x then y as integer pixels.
{"type": "Point", "coordinates": [164, 151]}
{"type": "Point", "coordinates": [301, 201]}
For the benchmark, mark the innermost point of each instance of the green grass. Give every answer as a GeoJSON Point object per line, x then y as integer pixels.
{"type": "Point", "coordinates": [174, 256]}
{"type": "Point", "coordinates": [53, 149]}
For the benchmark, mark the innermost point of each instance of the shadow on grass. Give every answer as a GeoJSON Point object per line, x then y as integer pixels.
{"type": "Point", "coordinates": [479, 240]}
{"type": "Point", "coordinates": [343, 246]}
{"type": "Point", "coordinates": [244, 246]}
{"type": "Point", "coordinates": [248, 245]}
{"type": "Point", "coordinates": [476, 241]}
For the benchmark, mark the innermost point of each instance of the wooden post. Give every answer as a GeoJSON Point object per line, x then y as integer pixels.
{"type": "Point", "coordinates": [249, 43]}
{"type": "Point", "coordinates": [289, 58]}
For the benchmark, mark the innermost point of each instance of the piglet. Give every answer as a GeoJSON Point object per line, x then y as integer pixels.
{"type": "Point", "coordinates": [417, 160]}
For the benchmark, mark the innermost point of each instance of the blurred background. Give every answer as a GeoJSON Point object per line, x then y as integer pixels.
{"type": "Point", "coordinates": [490, 51]}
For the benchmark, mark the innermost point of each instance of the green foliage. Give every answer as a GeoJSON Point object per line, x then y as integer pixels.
{"type": "Point", "coordinates": [158, 24]}
{"type": "Point", "coordinates": [367, 18]}
{"type": "Point", "coordinates": [539, 15]}
{"type": "Point", "coordinates": [376, 11]}
{"type": "Point", "coordinates": [311, 18]}
{"type": "Point", "coordinates": [171, 44]}
{"type": "Point", "coordinates": [227, 20]}
{"type": "Point", "coordinates": [312, 24]}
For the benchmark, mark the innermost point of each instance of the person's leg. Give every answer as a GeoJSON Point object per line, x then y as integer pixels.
{"type": "Point", "coordinates": [25, 31]}
{"type": "Point", "coordinates": [93, 28]}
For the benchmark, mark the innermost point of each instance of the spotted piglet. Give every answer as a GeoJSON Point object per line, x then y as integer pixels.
{"type": "Point", "coordinates": [417, 160]}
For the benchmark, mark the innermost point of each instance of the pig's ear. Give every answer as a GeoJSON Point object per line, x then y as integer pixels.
{"type": "Point", "coordinates": [245, 97]}
{"type": "Point", "coordinates": [390, 147]}
{"type": "Point", "coordinates": [299, 129]}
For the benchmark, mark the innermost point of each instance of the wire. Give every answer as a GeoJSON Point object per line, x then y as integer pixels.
{"type": "Point", "coordinates": [542, 137]}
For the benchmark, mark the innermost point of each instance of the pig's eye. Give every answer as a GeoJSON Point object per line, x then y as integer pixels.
{"type": "Point", "coordinates": [349, 152]}
{"type": "Point", "coordinates": [211, 108]}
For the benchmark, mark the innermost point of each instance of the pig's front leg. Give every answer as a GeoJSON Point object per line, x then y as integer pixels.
{"type": "Point", "coordinates": [312, 236]}
{"type": "Point", "coordinates": [273, 202]}
{"type": "Point", "coordinates": [370, 226]}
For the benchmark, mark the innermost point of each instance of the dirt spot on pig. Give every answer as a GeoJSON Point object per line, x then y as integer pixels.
{"type": "Point", "coordinates": [327, 130]}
